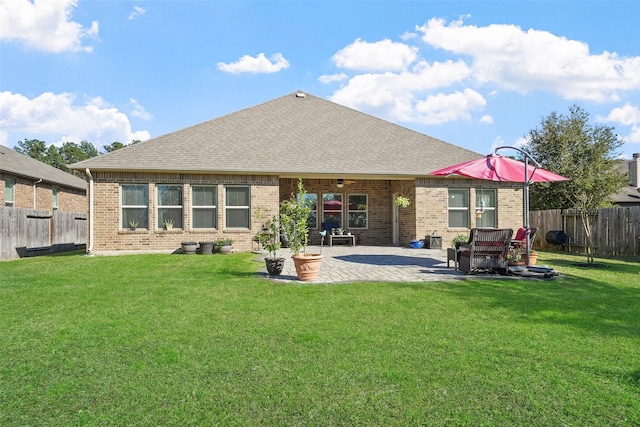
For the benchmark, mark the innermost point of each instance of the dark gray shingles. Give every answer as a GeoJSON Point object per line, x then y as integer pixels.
{"type": "Point", "coordinates": [289, 135]}
{"type": "Point", "coordinates": [18, 164]}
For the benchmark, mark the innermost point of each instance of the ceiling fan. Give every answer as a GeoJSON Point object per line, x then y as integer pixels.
{"type": "Point", "coordinates": [341, 182]}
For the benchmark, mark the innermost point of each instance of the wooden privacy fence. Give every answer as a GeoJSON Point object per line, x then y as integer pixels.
{"type": "Point", "coordinates": [31, 232]}
{"type": "Point", "coordinates": [615, 231]}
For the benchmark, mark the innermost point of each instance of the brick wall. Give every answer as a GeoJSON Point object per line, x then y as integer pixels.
{"type": "Point", "coordinates": [69, 199]}
{"type": "Point", "coordinates": [426, 213]}
{"type": "Point", "coordinates": [432, 202]}
{"type": "Point", "coordinates": [110, 236]}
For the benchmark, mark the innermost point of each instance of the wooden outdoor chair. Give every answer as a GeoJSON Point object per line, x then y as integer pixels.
{"type": "Point", "coordinates": [487, 250]}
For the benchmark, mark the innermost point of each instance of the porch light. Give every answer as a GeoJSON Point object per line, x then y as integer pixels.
{"type": "Point", "coordinates": [340, 183]}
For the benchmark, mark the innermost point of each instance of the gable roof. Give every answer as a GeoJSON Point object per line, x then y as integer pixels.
{"type": "Point", "coordinates": [296, 134]}
{"type": "Point", "coordinates": [19, 164]}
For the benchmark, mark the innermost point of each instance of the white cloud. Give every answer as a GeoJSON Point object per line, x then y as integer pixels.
{"type": "Point", "coordinates": [136, 12]}
{"type": "Point", "coordinates": [255, 64]}
{"type": "Point", "coordinates": [394, 95]}
{"type": "Point", "coordinates": [138, 110]}
{"type": "Point", "coordinates": [486, 119]}
{"type": "Point", "coordinates": [627, 115]}
{"type": "Point", "coordinates": [442, 108]}
{"type": "Point", "coordinates": [58, 116]}
{"type": "Point", "coordinates": [383, 55]}
{"type": "Point", "coordinates": [330, 78]}
{"type": "Point", "coordinates": [535, 60]}
{"type": "Point", "coordinates": [44, 25]}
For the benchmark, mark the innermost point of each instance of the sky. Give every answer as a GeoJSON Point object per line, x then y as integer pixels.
{"type": "Point", "coordinates": [477, 74]}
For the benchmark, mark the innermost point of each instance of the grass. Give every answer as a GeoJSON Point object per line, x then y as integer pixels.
{"type": "Point", "coordinates": [202, 340]}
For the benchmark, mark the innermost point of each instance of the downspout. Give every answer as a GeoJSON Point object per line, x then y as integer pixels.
{"type": "Point", "coordinates": [90, 247]}
{"type": "Point", "coordinates": [35, 185]}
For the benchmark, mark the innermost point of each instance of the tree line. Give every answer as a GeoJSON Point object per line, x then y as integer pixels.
{"type": "Point", "coordinates": [68, 153]}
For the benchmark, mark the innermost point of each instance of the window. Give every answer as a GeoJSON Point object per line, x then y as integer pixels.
{"type": "Point", "coordinates": [357, 211]}
{"type": "Point", "coordinates": [458, 208]}
{"type": "Point", "coordinates": [54, 198]}
{"type": "Point", "coordinates": [169, 205]}
{"type": "Point", "coordinates": [204, 206]}
{"type": "Point", "coordinates": [237, 207]}
{"type": "Point", "coordinates": [486, 204]}
{"type": "Point", "coordinates": [9, 193]}
{"type": "Point", "coordinates": [332, 210]}
{"type": "Point", "coordinates": [312, 221]}
{"type": "Point", "coordinates": [135, 205]}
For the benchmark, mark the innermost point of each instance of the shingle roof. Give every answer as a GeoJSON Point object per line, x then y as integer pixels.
{"type": "Point", "coordinates": [19, 164]}
{"type": "Point", "coordinates": [289, 136]}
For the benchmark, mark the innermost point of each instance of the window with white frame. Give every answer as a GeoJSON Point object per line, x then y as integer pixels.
{"type": "Point", "coordinates": [54, 198]}
{"type": "Point", "coordinates": [169, 205]}
{"type": "Point", "coordinates": [312, 200]}
{"type": "Point", "coordinates": [486, 208]}
{"type": "Point", "coordinates": [332, 210]}
{"type": "Point", "coordinates": [358, 211]}
{"type": "Point", "coordinates": [237, 207]}
{"type": "Point", "coordinates": [9, 192]}
{"type": "Point", "coordinates": [135, 205]}
{"type": "Point", "coordinates": [458, 208]}
{"type": "Point", "coordinates": [204, 206]}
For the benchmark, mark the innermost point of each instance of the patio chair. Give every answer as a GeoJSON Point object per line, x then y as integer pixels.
{"type": "Point", "coordinates": [487, 250]}
{"type": "Point", "coordinates": [519, 240]}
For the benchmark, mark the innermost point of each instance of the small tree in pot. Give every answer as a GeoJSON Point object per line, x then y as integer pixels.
{"type": "Point", "coordinates": [294, 216]}
{"type": "Point", "coordinates": [269, 238]}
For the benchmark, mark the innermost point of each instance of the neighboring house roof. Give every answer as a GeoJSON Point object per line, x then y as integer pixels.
{"type": "Point", "coordinates": [630, 194]}
{"type": "Point", "coordinates": [22, 165]}
{"type": "Point", "coordinates": [292, 135]}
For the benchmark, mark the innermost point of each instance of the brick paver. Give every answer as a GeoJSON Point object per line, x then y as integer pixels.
{"type": "Point", "coordinates": [372, 264]}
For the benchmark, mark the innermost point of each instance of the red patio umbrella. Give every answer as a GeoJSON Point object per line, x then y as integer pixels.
{"type": "Point", "coordinates": [495, 167]}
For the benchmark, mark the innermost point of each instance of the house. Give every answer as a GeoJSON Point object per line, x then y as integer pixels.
{"type": "Point", "coordinates": [630, 194]}
{"type": "Point", "coordinates": [212, 178]}
{"type": "Point", "coordinates": [42, 207]}
{"type": "Point", "coordinates": [29, 183]}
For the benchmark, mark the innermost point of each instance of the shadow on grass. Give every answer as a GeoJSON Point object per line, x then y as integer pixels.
{"type": "Point", "coordinates": [588, 304]}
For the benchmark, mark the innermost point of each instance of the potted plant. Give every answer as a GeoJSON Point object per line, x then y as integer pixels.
{"type": "Point", "coordinates": [133, 224]}
{"type": "Point", "coordinates": [516, 255]}
{"type": "Point", "coordinates": [189, 248]}
{"type": "Point", "coordinates": [269, 238]}
{"type": "Point", "coordinates": [458, 240]}
{"type": "Point", "coordinates": [294, 214]}
{"type": "Point", "coordinates": [402, 202]}
{"type": "Point", "coordinates": [224, 246]}
{"type": "Point", "coordinates": [168, 223]}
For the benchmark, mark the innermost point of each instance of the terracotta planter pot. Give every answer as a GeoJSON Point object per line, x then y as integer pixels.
{"type": "Point", "coordinates": [533, 258]}
{"type": "Point", "coordinates": [307, 266]}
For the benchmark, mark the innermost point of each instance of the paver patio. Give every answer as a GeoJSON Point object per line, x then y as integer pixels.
{"type": "Point", "coordinates": [344, 263]}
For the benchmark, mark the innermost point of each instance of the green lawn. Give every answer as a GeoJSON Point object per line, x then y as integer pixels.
{"type": "Point", "coordinates": [202, 340]}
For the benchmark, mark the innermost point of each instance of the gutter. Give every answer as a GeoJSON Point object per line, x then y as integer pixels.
{"type": "Point", "coordinates": [90, 246]}
{"type": "Point", "coordinates": [35, 185]}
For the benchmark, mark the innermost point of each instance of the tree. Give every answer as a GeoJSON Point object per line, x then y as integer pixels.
{"type": "Point", "coordinates": [586, 154]}
{"type": "Point", "coordinates": [113, 147]}
{"type": "Point", "coordinates": [33, 148]}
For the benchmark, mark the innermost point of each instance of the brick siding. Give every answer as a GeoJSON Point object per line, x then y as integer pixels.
{"type": "Point", "coordinates": [69, 199]}
{"type": "Point", "coordinates": [426, 213]}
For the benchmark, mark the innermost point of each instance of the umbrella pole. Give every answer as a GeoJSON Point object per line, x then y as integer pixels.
{"type": "Point", "coordinates": [527, 180]}
{"type": "Point", "coordinates": [526, 209]}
